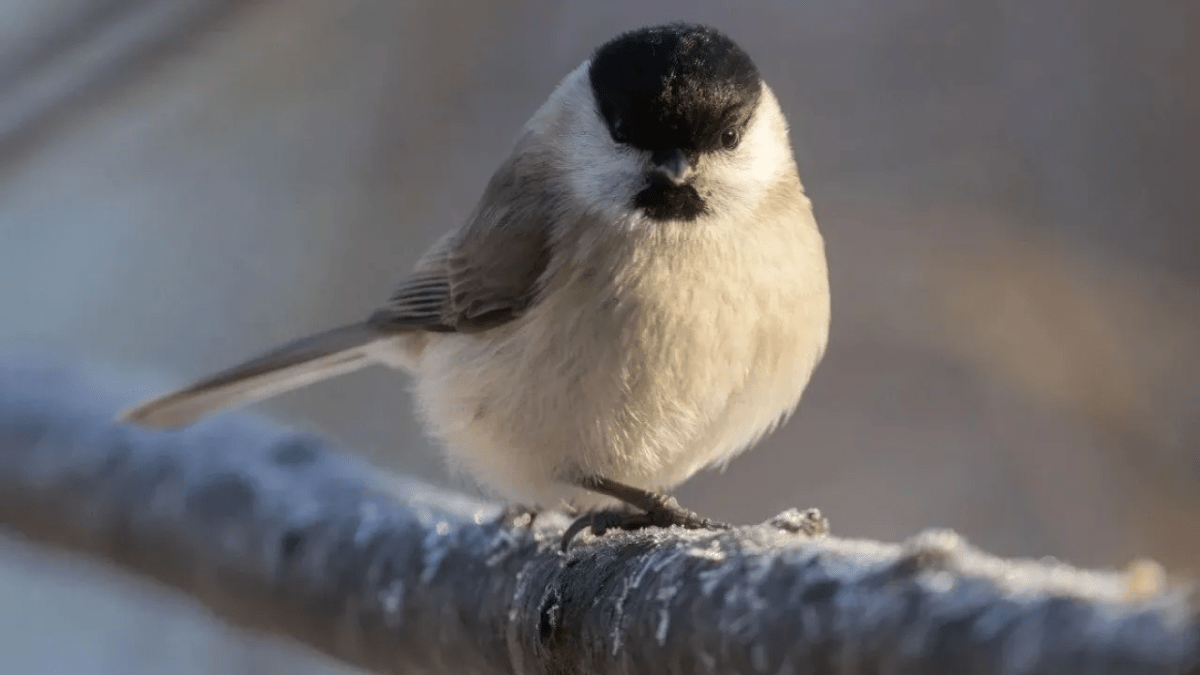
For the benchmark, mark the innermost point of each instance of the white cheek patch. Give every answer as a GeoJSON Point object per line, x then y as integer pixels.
{"type": "Point", "coordinates": [768, 139]}
{"type": "Point", "coordinates": [602, 175]}
{"type": "Point", "coordinates": [609, 181]}
{"type": "Point", "coordinates": [735, 182]}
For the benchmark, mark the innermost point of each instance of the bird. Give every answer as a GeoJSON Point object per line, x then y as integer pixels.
{"type": "Point", "coordinates": [641, 292]}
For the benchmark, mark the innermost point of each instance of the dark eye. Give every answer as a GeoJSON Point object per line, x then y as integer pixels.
{"type": "Point", "coordinates": [731, 137]}
{"type": "Point", "coordinates": [618, 132]}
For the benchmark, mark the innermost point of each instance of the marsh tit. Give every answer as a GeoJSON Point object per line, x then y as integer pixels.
{"type": "Point", "coordinates": [641, 292]}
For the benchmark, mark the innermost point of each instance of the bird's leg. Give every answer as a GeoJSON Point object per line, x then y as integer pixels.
{"type": "Point", "coordinates": [656, 510]}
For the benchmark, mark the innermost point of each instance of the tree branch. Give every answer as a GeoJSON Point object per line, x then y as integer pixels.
{"type": "Point", "coordinates": [275, 531]}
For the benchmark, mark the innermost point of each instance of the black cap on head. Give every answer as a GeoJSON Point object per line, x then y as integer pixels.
{"type": "Point", "coordinates": [674, 86]}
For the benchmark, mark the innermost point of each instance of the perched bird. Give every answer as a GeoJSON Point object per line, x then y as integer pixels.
{"type": "Point", "coordinates": [640, 293]}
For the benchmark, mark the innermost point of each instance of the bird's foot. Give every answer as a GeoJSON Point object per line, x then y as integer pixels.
{"type": "Point", "coordinates": [663, 511]}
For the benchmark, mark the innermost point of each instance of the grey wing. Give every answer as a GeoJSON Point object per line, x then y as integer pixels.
{"type": "Point", "coordinates": [487, 273]}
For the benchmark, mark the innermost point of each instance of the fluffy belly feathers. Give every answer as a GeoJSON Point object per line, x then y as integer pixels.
{"type": "Point", "coordinates": [644, 379]}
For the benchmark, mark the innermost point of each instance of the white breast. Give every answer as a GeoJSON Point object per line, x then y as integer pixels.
{"type": "Point", "coordinates": [701, 343]}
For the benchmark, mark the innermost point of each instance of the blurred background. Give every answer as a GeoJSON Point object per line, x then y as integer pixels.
{"type": "Point", "coordinates": [1008, 191]}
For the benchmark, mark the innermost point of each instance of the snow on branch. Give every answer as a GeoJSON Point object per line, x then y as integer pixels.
{"type": "Point", "coordinates": [275, 530]}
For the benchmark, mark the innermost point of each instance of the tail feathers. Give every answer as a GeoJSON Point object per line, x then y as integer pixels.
{"type": "Point", "coordinates": [291, 366]}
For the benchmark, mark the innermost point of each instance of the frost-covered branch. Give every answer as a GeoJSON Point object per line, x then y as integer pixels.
{"type": "Point", "coordinates": [274, 530]}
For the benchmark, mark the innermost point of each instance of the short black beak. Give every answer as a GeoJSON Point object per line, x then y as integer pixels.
{"type": "Point", "coordinates": [672, 164]}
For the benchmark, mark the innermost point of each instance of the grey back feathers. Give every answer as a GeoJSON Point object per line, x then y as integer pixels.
{"type": "Point", "coordinates": [486, 273]}
{"type": "Point", "coordinates": [475, 278]}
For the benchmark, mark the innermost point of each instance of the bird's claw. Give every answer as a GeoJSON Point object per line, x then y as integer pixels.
{"type": "Point", "coordinates": [666, 513]}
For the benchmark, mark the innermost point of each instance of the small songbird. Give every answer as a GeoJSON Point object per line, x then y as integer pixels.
{"type": "Point", "coordinates": [640, 293]}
